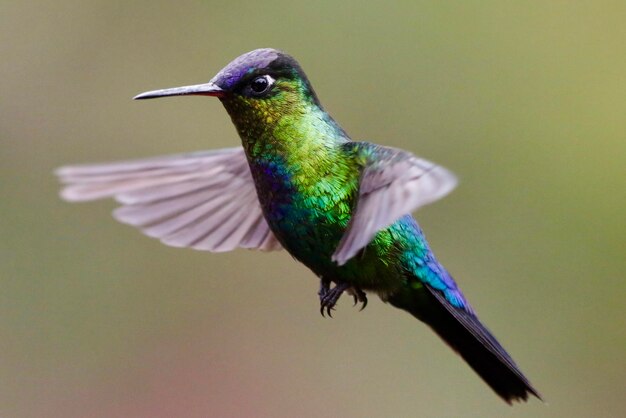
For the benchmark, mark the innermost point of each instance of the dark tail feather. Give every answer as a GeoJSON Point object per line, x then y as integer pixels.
{"type": "Point", "coordinates": [471, 340]}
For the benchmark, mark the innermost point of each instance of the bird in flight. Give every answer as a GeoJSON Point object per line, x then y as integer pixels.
{"type": "Point", "coordinates": [300, 183]}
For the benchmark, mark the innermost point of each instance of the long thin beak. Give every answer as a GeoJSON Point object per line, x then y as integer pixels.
{"type": "Point", "coordinates": [208, 89]}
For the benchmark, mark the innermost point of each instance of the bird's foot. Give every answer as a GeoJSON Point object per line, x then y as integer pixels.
{"type": "Point", "coordinates": [359, 297]}
{"type": "Point", "coordinates": [329, 296]}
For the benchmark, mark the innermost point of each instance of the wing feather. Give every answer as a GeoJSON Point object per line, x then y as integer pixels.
{"type": "Point", "coordinates": [203, 200]}
{"type": "Point", "coordinates": [393, 183]}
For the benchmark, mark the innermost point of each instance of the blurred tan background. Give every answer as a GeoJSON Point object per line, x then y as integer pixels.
{"type": "Point", "coordinates": [524, 100]}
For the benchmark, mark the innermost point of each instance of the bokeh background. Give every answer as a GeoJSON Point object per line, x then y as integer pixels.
{"type": "Point", "coordinates": [526, 101]}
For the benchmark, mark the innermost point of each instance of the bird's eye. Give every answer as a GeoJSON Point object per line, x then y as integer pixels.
{"type": "Point", "coordinates": [261, 84]}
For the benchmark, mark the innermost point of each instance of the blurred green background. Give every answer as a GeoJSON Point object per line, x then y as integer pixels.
{"type": "Point", "coordinates": [525, 101]}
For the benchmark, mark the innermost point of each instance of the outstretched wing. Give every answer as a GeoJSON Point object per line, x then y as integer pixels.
{"type": "Point", "coordinates": [204, 200]}
{"type": "Point", "coordinates": [393, 183]}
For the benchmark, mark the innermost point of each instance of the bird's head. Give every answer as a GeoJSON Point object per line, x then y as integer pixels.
{"type": "Point", "coordinates": [260, 86]}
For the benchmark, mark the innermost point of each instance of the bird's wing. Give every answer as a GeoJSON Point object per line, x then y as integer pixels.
{"type": "Point", "coordinates": [204, 200]}
{"type": "Point", "coordinates": [393, 183]}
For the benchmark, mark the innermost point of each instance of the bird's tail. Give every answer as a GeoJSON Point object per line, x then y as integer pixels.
{"type": "Point", "coordinates": [462, 331]}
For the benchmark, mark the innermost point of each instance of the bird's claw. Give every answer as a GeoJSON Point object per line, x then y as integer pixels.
{"type": "Point", "coordinates": [359, 296]}
{"type": "Point", "coordinates": [329, 297]}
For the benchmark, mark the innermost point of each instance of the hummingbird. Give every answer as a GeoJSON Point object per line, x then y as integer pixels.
{"type": "Point", "coordinates": [298, 182]}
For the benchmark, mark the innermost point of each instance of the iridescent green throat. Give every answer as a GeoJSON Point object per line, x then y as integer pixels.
{"type": "Point", "coordinates": [289, 128]}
